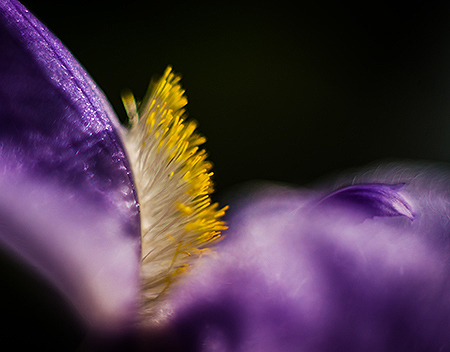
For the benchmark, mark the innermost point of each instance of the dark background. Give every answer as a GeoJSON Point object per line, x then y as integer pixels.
{"type": "Point", "coordinates": [285, 91]}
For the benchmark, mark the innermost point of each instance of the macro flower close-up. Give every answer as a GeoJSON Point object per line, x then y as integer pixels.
{"type": "Point", "coordinates": [111, 236]}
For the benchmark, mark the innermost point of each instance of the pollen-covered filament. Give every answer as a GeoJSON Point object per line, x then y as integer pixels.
{"type": "Point", "coordinates": [173, 181]}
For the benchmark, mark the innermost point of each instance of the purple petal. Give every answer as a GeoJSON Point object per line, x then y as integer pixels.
{"type": "Point", "coordinates": [288, 279]}
{"type": "Point", "coordinates": [371, 199]}
{"type": "Point", "coordinates": [68, 201]}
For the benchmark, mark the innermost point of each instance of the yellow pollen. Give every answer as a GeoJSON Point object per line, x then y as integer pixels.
{"type": "Point", "coordinates": [173, 179]}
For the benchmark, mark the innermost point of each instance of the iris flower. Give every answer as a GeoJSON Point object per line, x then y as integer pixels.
{"type": "Point", "coordinates": [112, 216]}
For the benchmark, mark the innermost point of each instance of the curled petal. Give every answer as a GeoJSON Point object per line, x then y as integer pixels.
{"type": "Point", "coordinates": [374, 199]}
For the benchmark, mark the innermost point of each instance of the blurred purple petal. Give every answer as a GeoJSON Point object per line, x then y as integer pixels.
{"type": "Point", "coordinates": [68, 201]}
{"type": "Point", "coordinates": [291, 279]}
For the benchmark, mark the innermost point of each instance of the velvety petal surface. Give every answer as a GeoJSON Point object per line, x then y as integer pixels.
{"type": "Point", "coordinates": [292, 276]}
{"type": "Point", "coordinates": [68, 203]}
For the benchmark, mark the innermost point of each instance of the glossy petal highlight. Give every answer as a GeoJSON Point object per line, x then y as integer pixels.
{"type": "Point", "coordinates": [62, 161]}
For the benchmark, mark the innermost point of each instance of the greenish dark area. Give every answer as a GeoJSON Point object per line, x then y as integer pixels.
{"type": "Point", "coordinates": [284, 91]}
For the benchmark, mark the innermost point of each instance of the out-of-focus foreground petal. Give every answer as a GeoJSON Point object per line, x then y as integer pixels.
{"type": "Point", "coordinates": [295, 276]}
{"type": "Point", "coordinates": [68, 204]}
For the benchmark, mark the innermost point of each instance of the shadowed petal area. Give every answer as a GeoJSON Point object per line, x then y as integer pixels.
{"type": "Point", "coordinates": [68, 202]}
{"type": "Point", "coordinates": [291, 277]}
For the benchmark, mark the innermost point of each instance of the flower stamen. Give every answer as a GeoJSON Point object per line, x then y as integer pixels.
{"type": "Point", "coordinates": [173, 181]}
